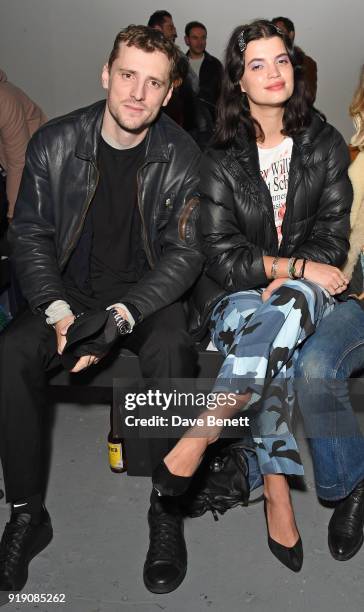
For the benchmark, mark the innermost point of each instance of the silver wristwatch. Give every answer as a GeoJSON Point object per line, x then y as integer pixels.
{"type": "Point", "coordinates": [122, 324]}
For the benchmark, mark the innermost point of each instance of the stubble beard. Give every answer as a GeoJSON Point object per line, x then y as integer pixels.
{"type": "Point", "coordinates": [131, 126]}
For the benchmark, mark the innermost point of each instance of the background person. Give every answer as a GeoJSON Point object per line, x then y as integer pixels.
{"type": "Point", "coordinates": [323, 369]}
{"type": "Point", "coordinates": [202, 85]}
{"type": "Point", "coordinates": [309, 64]}
{"type": "Point", "coordinates": [20, 117]}
{"type": "Point", "coordinates": [163, 21]}
{"type": "Point", "coordinates": [176, 109]}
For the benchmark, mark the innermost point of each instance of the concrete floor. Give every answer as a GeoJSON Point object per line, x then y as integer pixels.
{"type": "Point", "coordinates": [97, 554]}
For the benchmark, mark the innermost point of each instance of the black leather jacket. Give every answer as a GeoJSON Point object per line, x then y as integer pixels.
{"type": "Point", "coordinates": [58, 184]}
{"type": "Point", "coordinates": [237, 214]}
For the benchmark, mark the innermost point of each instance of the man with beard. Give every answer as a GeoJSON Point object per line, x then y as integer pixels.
{"type": "Point", "coordinates": [103, 221]}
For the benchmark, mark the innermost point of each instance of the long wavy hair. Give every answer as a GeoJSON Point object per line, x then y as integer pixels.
{"type": "Point", "coordinates": [357, 113]}
{"type": "Point", "coordinates": [233, 111]}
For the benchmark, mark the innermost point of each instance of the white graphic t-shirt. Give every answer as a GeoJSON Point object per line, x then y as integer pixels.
{"type": "Point", "coordinates": [274, 167]}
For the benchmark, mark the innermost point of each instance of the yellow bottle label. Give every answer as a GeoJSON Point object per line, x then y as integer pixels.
{"type": "Point", "coordinates": [115, 455]}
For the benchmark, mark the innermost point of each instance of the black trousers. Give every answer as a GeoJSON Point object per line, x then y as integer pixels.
{"type": "Point", "coordinates": [28, 349]}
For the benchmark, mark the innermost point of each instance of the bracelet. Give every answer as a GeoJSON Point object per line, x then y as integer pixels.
{"type": "Point", "coordinates": [274, 269]}
{"type": "Point", "coordinates": [291, 270]}
{"type": "Point", "coordinates": [292, 273]}
{"type": "Point", "coordinates": [302, 273]}
{"type": "Point", "coordinates": [297, 275]}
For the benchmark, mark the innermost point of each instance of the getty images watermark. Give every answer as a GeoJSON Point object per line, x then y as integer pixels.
{"type": "Point", "coordinates": [156, 401]}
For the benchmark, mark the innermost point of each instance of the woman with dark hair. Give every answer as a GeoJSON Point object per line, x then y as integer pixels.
{"type": "Point", "coordinates": [275, 204]}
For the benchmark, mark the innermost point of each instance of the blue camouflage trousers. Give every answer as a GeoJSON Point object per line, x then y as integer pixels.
{"type": "Point", "coordinates": [260, 341]}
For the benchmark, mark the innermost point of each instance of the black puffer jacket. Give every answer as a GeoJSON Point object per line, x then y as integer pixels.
{"type": "Point", "coordinates": [58, 184]}
{"type": "Point", "coordinates": [237, 214]}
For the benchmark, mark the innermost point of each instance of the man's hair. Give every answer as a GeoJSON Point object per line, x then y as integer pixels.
{"type": "Point", "coordinates": [288, 23]}
{"type": "Point", "coordinates": [157, 19]}
{"type": "Point", "coordinates": [149, 40]}
{"type": "Point", "coordinates": [194, 24]}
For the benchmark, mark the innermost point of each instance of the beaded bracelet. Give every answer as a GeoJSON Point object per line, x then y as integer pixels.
{"type": "Point", "coordinates": [298, 274]}
{"type": "Point", "coordinates": [274, 269]}
{"type": "Point", "coordinates": [302, 270]}
{"type": "Point", "coordinates": [291, 270]}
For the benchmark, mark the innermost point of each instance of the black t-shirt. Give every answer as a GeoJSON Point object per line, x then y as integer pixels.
{"type": "Point", "coordinates": [110, 258]}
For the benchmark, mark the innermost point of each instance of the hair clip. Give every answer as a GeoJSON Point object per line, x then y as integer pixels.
{"type": "Point", "coordinates": [241, 42]}
{"type": "Point", "coordinates": [277, 29]}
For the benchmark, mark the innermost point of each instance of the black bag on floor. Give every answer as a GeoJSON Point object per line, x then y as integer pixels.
{"type": "Point", "coordinates": [221, 481]}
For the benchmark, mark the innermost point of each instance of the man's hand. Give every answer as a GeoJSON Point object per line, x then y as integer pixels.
{"type": "Point", "coordinates": [87, 360]}
{"type": "Point", "coordinates": [61, 330]}
{"type": "Point", "coordinates": [277, 282]}
{"type": "Point", "coordinates": [84, 362]}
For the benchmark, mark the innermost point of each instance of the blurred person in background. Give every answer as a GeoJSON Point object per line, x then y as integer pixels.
{"type": "Point", "coordinates": [20, 117]}
{"type": "Point", "coordinates": [202, 85]}
{"type": "Point", "coordinates": [309, 64]}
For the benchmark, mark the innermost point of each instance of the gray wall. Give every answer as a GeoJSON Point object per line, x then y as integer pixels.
{"type": "Point", "coordinates": [54, 49]}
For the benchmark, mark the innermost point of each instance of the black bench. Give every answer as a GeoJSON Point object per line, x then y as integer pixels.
{"type": "Point", "coordinates": [96, 385]}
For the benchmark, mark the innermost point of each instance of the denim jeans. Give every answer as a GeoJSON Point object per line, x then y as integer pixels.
{"type": "Point", "coordinates": [255, 475]}
{"type": "Point", "coordinates": [324, 364]}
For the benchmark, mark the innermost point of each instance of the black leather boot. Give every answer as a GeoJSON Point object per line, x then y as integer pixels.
{"type": "Point", "coordinates": [166, 563]}
{"type": "Point", "coordinates": [346, 525]}
{"type": "Point", "coordinates": [21, 541]}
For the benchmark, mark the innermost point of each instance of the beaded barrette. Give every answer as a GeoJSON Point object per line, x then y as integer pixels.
{"type": "Point", "coordinates": [241, 42]}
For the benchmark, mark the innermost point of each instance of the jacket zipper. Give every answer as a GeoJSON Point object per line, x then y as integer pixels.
{"type": "Point", "coordinates": [292, 180]}
{"type": "Point", "coordinates": [83, 216]}
{"type": "Point", "coordinates": [268, 209]}
{"type": "Point", "coordinates": [148, 251]}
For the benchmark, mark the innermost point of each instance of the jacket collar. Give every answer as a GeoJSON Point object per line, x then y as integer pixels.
{"type": "Point", "coordinates": [242, 157]}
{"type": "Point", "coordinates": [91, 123]}
{"type": "Point", "coordinates": [157, 147]}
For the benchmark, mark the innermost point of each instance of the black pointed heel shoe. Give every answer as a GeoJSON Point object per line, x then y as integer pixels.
{"type": "Point", "coordinates": [291, 557]}
{"type": "Point", "coordinates": [166, 483]}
